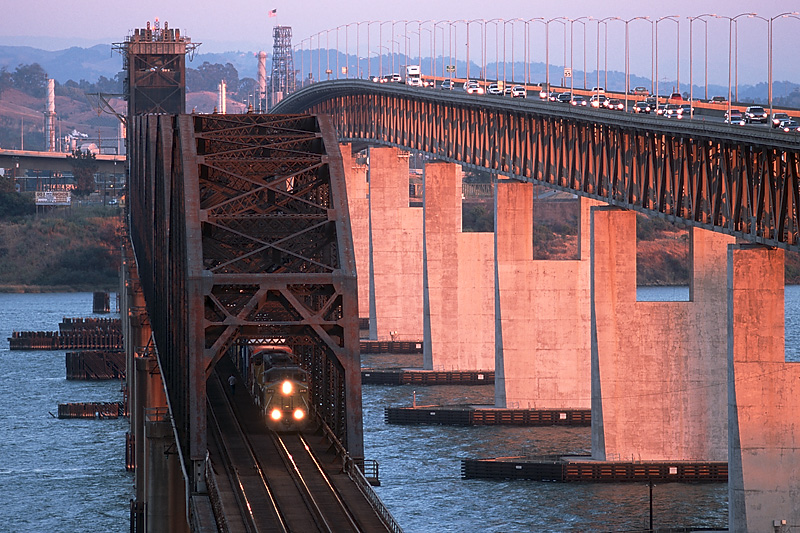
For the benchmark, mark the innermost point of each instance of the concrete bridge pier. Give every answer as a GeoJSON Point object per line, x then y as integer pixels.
{"type": "Point", "coordinates": [458, 279]}
{"type": "Point", "coordinates": [395, 247]}
{"type": "Point", "coordinates": [658, 385]}
{"type": "Point", "coordinates": [542, 312]}
{"type": "Point", "coordinates": [763, 396]}
{"type": "Point", "coordinates": [357, 186]}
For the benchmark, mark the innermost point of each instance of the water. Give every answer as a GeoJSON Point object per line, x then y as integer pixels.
{"type": "Point", "coordinates": [69, 475]}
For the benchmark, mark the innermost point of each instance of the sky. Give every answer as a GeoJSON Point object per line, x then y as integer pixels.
{"type": "Point", "coordinates": [229, 25]}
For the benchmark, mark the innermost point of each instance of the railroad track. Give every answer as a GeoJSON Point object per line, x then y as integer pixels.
{"type": "Point", "coordinates": [278, 483]}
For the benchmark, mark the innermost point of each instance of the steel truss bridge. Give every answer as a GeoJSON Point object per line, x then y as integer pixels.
{"type": "Point", "coordinates": [239, 225]}
{"type": "Point", "coordinates": [740, 181]}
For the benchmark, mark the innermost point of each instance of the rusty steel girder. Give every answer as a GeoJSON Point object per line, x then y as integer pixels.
{"type": "Point", "coordinates": [240, 228]}
{"type": "Point", "coordinates": [741, 181]}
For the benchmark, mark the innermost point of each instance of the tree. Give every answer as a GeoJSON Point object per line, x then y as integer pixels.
{"type": "Point", "coordinates": [84, 167]}
{"type": "Point", "coordinates": [30, 79]}
{"type": "Point", "coordinates": [5, 80]}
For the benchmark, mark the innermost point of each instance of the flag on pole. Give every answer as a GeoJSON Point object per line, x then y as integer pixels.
{"type": "Point", "coordinates": [273, 13]}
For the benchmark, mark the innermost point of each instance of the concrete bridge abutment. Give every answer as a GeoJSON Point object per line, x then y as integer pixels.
{"type": "Point", "coordinates": [458, 279]}
{"type": "Point", "coordinates": [763, 396]}
{"type": "Point", "coordinates": [542, 311]}
{"type": "Point", "coordinates": [658, 386]}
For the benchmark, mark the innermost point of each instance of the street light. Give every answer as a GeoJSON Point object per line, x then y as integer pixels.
{"type": "Point", "coordinates": [673, 18]}
{"type": "Point", "coordinates": [605, 57]}
{"type": "Point", "coordinates": [512, 21]}
{"type": "Point", "coordinates": [705, 49]}
{"type": "Point", "coordinates": [572, 71]}
{"type": "Point", "coordinates": [560, 20]}
{"type": "Point", "coordinates": [434, 42]}
{"type": "Point", "coordinates": [627, 59]}
{"type": "Point", "coordinates": [792, 14]}
{"type": "Point", "coordinates": [731, 20]}
{"type": "Point", "coordinates": [528, 60]}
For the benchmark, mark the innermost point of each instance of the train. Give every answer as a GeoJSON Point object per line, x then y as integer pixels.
{"type": "Point", "coordinates": [279, 387]}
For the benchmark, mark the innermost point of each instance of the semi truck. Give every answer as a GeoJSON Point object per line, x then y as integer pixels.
{"type": "Point", "coordinates": [410, 75]}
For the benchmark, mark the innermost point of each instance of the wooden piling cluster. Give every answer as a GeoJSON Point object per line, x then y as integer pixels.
{"type": "Point", "coordinates": [95, 365]}
{"type": "Point", "coordinates": [92, 410]}
{"type": "Point", "coordinates": [73, 333]}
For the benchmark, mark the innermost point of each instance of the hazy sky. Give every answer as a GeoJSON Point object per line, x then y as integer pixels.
{"type": "Point", "coordinates": [244, 25]}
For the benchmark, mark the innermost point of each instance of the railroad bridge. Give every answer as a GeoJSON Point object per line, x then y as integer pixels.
{"type": "Point", "coordinates": [240, 231]}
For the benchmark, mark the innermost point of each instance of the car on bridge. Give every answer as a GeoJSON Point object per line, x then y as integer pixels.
{"type": "Point", "coordinates": [473, 87]}
{"type": "Point", "coordinates": [578, 101]}
{"type": "Point", "coordinates": [447, 85]}
{"type": "Point", "coordinates": [598, 100]}
{"type": "Point", "coordinates": [673, 111]}
{"type": "Point", "coordinates": [564, 98]}
{"type": "Point", "coordinates": [735, 116]}
{"type": "Point", "coordinates": [777, 118]}
{"type": "Point", "coordinates": [641, 107]}
{"type": "Point", "coordinates": [494, 88]}
{"type": "Point", "coordinates": [640, 91]}
{"type": "Point", "coordinates": [552, 97]}
{"type": "Point", "coordinates": [789, 126]}
{"type": "Point", "coordinates": [615, 104]}
{"type": "Point", "coordinates": [518, 91]}
{"type": "Point", "coordinates": [755, 114]}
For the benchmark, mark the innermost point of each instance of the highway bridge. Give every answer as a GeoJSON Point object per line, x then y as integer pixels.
{"type": "Point", "coordinates": [240, 234]}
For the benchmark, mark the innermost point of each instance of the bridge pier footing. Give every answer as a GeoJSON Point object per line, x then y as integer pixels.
{"type": "Point", "coordinates": [355, 176]}
{"type": "Point", "coordinates": [458, 279]}
{"type": "Point", "coordinates": [542, 320]}
{"type": "Point", "coordinates": [658, 386]}
{"type": "Point", "coordinates": [763, 396]}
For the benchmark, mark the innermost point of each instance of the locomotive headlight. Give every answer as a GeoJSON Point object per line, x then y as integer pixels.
{"type": "Point", "coordinates": [275, 414]}
{"type": "Point", "coordinates": [286, 387]}
{"type": "Point", "coordinates": [299, 414]}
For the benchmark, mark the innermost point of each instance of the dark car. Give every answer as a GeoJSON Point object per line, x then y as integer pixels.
{"type": "Point", "coordinates": [790, 126]}
{"type": "Point", "coordinates": [578, 101]}
{"type": "Point", "coordinates": [641, 107]}
{"type": "Point", "coordinates": [564, 98]}
{"type": "Point", "coordinates": [777, 118]}
{"type": "Point", "coordinates": [756, 114]}
{"type": "Point", "coordinates": [615, 104]}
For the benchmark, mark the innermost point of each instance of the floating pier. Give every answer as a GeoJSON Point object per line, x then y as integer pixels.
{"type": "Point", "coordinates": [579, 468]}
{"type": "Point", "coordinates": [426, 377]}
{"type": "Point", "coordinates": [486, 416]}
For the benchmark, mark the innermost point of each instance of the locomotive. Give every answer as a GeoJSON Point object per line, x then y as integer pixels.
{"type": "Point", "coordinates": [279, 386]}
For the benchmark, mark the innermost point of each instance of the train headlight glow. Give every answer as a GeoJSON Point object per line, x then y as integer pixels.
{"type": "Point", "coordinates": [275, 414]}
{"type": "Point", "coordinates": [299, 414]}
{"type": "Point", "coordinates": [286, 387]}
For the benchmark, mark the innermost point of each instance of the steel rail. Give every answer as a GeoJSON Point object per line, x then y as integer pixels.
{"type": "Point", "coordinates": [245, 505]}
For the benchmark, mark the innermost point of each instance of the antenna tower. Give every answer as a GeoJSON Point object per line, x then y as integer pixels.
{"type": "Point", "coordinates": [282, 81]}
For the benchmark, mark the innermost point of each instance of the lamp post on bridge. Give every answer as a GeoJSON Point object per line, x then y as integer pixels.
{"type": "Point", "coordinates": [604, 21]}
{"type": "Point", "coordinates": [560, 20]}
{"type": "Point", "coordinates": [434, 43]}
{"type": "Point", "coordinates": [731, 20]}
{"type": "Point", "coordinates": [673, 18]}
{"type": "Point", "coordinates": [705, 50]}
{"type": "Point", "coordinates": [496, 22]}
{"type": "Point", "coordinates": [505, 22]}
{"type": "Point", "coordinates": [380, 40]}
{"type": "Point", "coordinates": [792, 14]}
{"type": "Point", "coordinates": [571, 55]}
{"type": "Point", "coordinates": [528, 60]}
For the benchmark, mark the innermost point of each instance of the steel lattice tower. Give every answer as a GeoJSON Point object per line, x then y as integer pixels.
{"type": "Point", "coordinates": [282, 80]}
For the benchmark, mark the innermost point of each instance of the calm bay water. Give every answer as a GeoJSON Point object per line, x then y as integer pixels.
{"type": "Point", "coordinates": [69, 475]}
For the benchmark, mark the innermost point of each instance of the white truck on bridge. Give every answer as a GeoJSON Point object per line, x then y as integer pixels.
{"type": "Point", "coordinates": [410, 75]}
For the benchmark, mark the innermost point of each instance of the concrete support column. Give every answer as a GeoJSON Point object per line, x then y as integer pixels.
{"type": "Point", "coordinates": [358, 204]}
{"type": "Point", "coordinates": [395, 243]}
{"type": "Point", "coordinates": [763, 397]}
{"type": "Point", "coordinates": [542, 311]}
{"type": "Point", "coordinates": [657, 367]}
{"type": "Point", "coordinates": [166, 493]}
{"type": "Point", "coordinates": [458, 281]}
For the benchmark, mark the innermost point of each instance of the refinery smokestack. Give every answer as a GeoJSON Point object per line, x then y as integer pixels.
{"type": "Point", "coordinates": [262, 77]}
{"type": "Point", "coordinates": [50, 116]}
{"type": "Point", "coordinates": [222, 99]}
